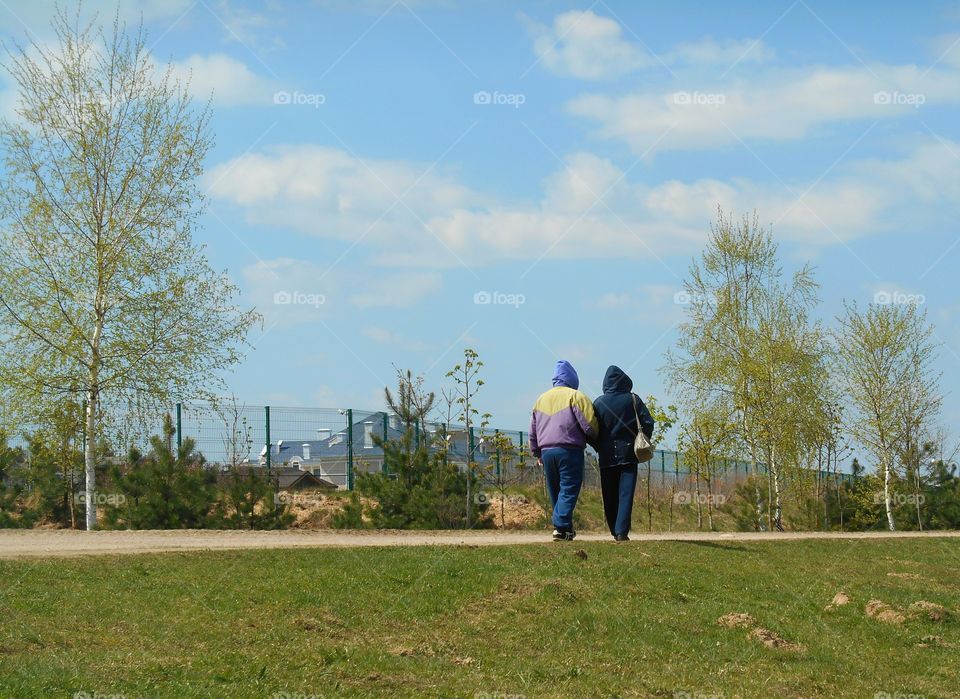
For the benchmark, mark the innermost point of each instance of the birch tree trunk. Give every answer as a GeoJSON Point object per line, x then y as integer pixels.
{"type": "Point", "coordinates": [887, 498]}
{"type": "Point", "coordinates": [90, 459]}
{"type": "Point", "coordinates": [775, 474]}
{"type": "Point", "coordinates": [699, 505]}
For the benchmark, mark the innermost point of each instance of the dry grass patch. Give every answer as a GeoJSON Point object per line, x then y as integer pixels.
{"type": "Point", "coordinates": [905, 576]}
{"type": "Point", "coordinates": [772, 640]}
{"type": "Point", "coordinates": [930, 610]}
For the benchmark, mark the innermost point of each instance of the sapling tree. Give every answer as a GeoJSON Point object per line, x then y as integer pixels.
{"type": "Point", "coordinates": [411, 403]}
{"type": "Point", "coordinates": [237, 431]}
{"type": "Point", "coordinates": [665, 418]}
{"type": "Point", "coordinates": [467, 382]}
{"type": "Point", "coordinates": [707, 437]}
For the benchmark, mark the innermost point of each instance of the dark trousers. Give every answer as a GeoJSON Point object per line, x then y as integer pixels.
{"type": "Point", "coordinates": [563, 471]}
{"type": "Point", "coordinates": [617, 485]}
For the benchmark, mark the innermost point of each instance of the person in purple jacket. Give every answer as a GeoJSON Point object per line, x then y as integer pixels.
{"type": "Point", "coordinates": [562, 424]}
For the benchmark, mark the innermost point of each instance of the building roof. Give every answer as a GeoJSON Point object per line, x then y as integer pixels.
{"type": "Point", "coordinates": [284, 450]}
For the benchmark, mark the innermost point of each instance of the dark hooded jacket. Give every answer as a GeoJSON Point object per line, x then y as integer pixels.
{"type": "Point", "coordinates": [616, 420]}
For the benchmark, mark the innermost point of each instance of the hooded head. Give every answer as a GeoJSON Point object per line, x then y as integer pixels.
{"type": "Point", "coordinates": [616, 381]}
{"type": "Point", "coordinates": [565, 375]}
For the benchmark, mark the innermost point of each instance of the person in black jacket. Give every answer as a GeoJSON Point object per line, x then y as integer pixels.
{"type": "Point", "coordinates": [614, 444]}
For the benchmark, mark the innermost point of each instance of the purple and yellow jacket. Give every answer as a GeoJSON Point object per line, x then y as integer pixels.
{"type": "Point", "coordinates": [562, 416]}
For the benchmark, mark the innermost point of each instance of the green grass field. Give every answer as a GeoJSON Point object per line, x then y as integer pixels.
{"type": "Point", "coordinates": [634, 619]}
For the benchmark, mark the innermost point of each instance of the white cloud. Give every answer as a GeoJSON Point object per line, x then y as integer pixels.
{"type": "Point", "coordinates": [582, 44]}
{"type": "Point", "coordinates": [249, 27]}
{"type": "Point", "coordinates": [725, 53]}
{"type": "Point", "coordinates": [585, 45]}
{"type": "Point", "coordinates": [327, 193]}
{"type": "Point", "coordinates": [231, 82]}
{"type": "Point", "coordinates": [779, 105]}
{"type": "Point", "coordinates": [398, 290]}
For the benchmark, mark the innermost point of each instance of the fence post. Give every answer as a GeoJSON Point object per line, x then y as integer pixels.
{"type": "Point", "coordinates": [349, 448]}
{"type": "Point", "coordinates": [497, 437]}
{"type": "Point", "coordinates": [383, 464]}
{"type": "Point", "coordinates": [416, 434]}
{"type": "Point", "coordinates": [266, 417]}
{"type": "Point", "coordinates": [179, 427]}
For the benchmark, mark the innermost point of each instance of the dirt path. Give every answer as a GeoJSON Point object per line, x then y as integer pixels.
{"type": "Point", "coordinates": [18, 543]}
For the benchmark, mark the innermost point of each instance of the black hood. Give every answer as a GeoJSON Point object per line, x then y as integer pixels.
{"type": "Point", "coordinates": [616, 381]}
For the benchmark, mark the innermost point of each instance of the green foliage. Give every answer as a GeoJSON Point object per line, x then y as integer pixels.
{"type": "Point", "coordinates": [249, 501]}
{"type": "Point", "coordinates": [56, 466]}
{"type": "Point", "coordinates": [941, 506]}
{"type": "Point", "coordinates": [10, 491]}
{"type": "Point", "coordinates": [52, 497]}
{"type": "Point", "coordinates": [165, 489]}
{"type": "Point", "coordinates": [884, 355]}
{"type": "Point", "coordinates": [749, 343]}
{"type": "Point", "coordinates": [105, 293]}
{"type": "Point", "coordinates": [744, 505]}
{"type": "Point", "coordinates": [422, 491]}
{"type": "Point", "coordinates": [351, 516]}
{"type": "Point", "coordinates": [664, 416]}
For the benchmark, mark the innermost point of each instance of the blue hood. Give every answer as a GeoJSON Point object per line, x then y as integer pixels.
{"type": "Point", "coordinates": [616, 380]}
{"type": "Point", "coordinates": [565, 375]}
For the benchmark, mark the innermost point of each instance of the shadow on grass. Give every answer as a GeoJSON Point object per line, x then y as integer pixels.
{"type": "Point", "coordinates": [715, 545]}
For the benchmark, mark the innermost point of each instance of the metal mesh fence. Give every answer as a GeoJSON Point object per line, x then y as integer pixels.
{"type": "Point", "coordinates": [335, 445]}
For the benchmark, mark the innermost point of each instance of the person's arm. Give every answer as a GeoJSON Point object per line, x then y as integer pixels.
{"type": "Point", "coordinates": [586, 416]}
{"type": "Point", "coordinates": [534, 445]}
{"type": "Point", "coordinates": [594, 440]}
{"type": "Point", "coordinates": [647, 423]}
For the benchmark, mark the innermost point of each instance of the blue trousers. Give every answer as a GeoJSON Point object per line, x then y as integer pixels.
{"type": "Point", "coordinates": [617, 485]}
{"type": "Point", "coordinates": [563, 471]}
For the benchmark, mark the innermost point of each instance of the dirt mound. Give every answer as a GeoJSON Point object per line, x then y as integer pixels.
{"type": "Point", "coordinates": [773, 640]}
{"type": "Point", "coordinates": [515, 512]}
{"type": "Point", "coordinates": [742, 620]}
{"type": "Point", "coordinates": [315, 510]}
{"type": "Point", "coordinates": [881, 611]}
{"type": "Point", "coordinates": [930, 610]}
{"type": "Point", "coordinates": [737, 620]}
{"type": "Point", "coordinates": [839, 599]}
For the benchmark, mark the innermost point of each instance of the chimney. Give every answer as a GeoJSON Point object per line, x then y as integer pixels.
{"type": "Point", "coordinates": [368, 435]}
{"type": "Point", "coordinates": [323, 434]}
{"type": "Point", "coordinates": [306, 452]}
{"type": "Point", "coordinates": [394, 422]}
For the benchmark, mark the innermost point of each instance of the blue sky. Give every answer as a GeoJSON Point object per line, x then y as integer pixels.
{"type": "Point", "coordinates": [385, 165]}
